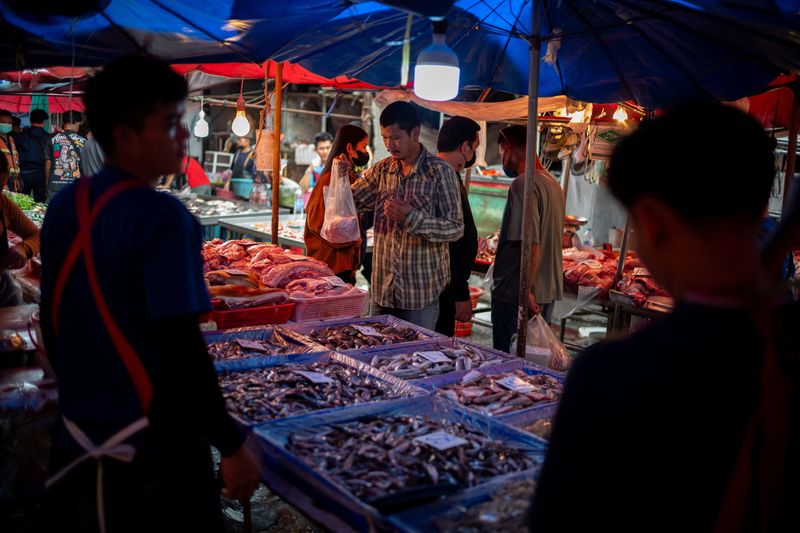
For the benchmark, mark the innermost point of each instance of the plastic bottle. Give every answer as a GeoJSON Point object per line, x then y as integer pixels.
{"type": "Point", "coordinates": [588, 238]}
{"type": "Point", "coordinates": [299, 204]}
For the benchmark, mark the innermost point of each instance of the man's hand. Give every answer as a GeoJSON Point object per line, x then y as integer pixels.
{"type": "Point", "coordinates": [464, 311]}
{"type": "Point", "coordinates": [397, 210]}
{"type": "Point", "coordinates": [14, 258]}
{"type": "Point", "coordinates": [241, 474]}
{"type": "Point", "coordinates": [533, 307]}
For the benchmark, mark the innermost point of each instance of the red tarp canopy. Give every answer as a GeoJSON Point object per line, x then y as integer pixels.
{"type": "Point", "coordinates": [773, 108]}
{"type": "Point", "coordinates": [55, 104]}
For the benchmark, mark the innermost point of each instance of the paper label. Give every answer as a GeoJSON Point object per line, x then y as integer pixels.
{"type": "Point", "coordinates": [251, 345]}
{"type": "Point", "coordinates": [265, 151]}
{"type": "Point", "coordinates": [516, 384]}
{"type": "Point", "coordinates": [435, 357]}
{"type": "Point", "coordinates": [336, 281]}
{"type": "Point", "coordinates": [641, 272]}
{"type": "Point", "coordinates": [315, 377]}
{"type": "Point", "coordinates": [367, 330]}
{"type": "Point", "coordinates": [441, 440]}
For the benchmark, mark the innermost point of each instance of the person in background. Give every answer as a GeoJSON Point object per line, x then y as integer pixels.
{"type": "Point", "coordinates": [8, 148]}
{"type": "Point", "coordinates": [16, 125]}
{"type": "Point", "coordinates": [458, 144]}
{"type": "Point", "coordinates": [123, 337]}
{"type": "Point", "coordinates": [13, 257]}
{"type": "Point", "coordinates": [66, 147]}
{"type": "Point", "coordinates": [193, 175]}
{"type": "Point", "coordinates": [547, 233]}
{"type": "Point", "coordinates": [623, 450]}
{"type": "Point", "coordinates": [35, 162]}
{"type": "Point", "coordinates": [323, 143]}
{"type": "Point", "coordinates": [92, 157]}
{"type": "Point", "coordinates": [350, 146]}
{"type": "Point", "coordinates": [417, 206]}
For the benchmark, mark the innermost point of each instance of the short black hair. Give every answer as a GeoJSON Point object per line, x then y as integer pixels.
{"type": "Point", "coordinates": [455, 132]}
{"type": "Point", "coordinates": [516, 136]}
{"type": "Point", "coordinates": [321, 137]}
{"type": "Point", "coordinates": [401, 113]}
{"type": "Point", "coordinates": [6, 113]}
{"type": "Point", "coordinates": [72, 117]}
{"type": "Point", "coordinates": [38, 116]}
{"type": "Point", "coordinates": [126, 91]}
{"type": "Point", "coordinates": [16, 120]}
{"type": "Point", "coordinates": [735, 167]}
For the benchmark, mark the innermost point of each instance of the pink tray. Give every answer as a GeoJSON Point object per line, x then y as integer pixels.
{"type": "Point", "coordinates": [322, 308]}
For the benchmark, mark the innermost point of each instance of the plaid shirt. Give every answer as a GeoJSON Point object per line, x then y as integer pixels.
{"type": "Point", "coordinates": [411, 264]}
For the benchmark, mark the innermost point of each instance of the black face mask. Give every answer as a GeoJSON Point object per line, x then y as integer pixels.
{"type": "Point", "coordinates": [510, 172]}
{"type": "Point", "coordinates": [471, 161]}
{"type": "Point", "coordinates": [361, 159]}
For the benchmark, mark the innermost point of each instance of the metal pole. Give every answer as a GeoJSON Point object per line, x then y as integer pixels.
{"type": "Point", "coordinates": [616, 317]}
{"type": "Point", "coordinates": [529, 203]}
{"type": "Point", "coordinates": [566, 168]}
{"type": "Point", "coordinates": [276, 152]}
{"type": "Point", "coordinates": [791, 152]}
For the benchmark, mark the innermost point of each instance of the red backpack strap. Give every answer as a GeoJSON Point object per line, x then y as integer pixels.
{"type": "Point", "coordinates": [83, 241]}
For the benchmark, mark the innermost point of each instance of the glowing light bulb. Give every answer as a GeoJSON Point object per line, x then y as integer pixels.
{"type": "Point", "coordinates": [436, 74]}
{"type": "Point", "coordinates": [201, 126]}
{"type": "Point", "coordinates": [240, 126]}
{"type": "Point", "coordinates": [620, 114]}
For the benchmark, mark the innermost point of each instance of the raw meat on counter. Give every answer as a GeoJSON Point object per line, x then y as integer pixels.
{"type": "Point", "coordinates": [309, 288]}
{"type": "Point", "coordinates": [235, 289]}
{"type": "Point", "coordinates": [375, 456]}
{"type": "Point", "coordinates": [280, 276]}
{"type": "Point", "coordinates": [641, 289]}
{"type": "Point", "coordinates": [587, 267]}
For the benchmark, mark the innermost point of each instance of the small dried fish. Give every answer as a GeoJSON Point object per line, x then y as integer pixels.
{"type": "Point", "coordinates": [506, 510]}
{"type": "Point", "coordinates": [412, 365]}
{"type": "Point", "coordinates": [348, 337]}
{"type": "Point", "coordinates": [228, 350]}
{"type": "Point", "coordinates": [276, 392]}
{"type": "Point", "coordinates": [389, 459]}
{"type": "Point", "coordinates": [485, 394]}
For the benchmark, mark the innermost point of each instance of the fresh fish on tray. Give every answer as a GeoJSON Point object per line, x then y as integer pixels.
{"type": "Point", "coordinates": [420, 364]}
{"type": "Point", "coordinates": [375, 457]}
{"type": "Point", "coordinates": [275, 392]}
{"type": "Point", "coordinates": [242, 348]}
{"type": "Point", "coordinates": [507, 510]}
{"type": "Point", "coordinates": [503, 393]}
{"type": "Point", "coordinates": [353, 336]}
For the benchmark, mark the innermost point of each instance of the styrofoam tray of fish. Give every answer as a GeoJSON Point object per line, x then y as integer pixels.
{"type": "Point", "coordinates": [431, 358]}
{"type": "Point", "coordinates": [363, 333]}
{"type": "Point", "coordinates": [302, 383]}
{"type": "Point", "coordinates": [370, 461]}
{"type": "Point", "coordinates": [243, 348]}
{"type": "Point", "coordinates": [499, 505]}
{"type": "Point", "coordinates": [499, 389]}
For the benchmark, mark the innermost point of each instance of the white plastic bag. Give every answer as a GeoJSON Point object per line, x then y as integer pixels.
{"type": "Point", "coordinates": [341, 217]}
{"type": "Point", "coordinates": [542, 346]}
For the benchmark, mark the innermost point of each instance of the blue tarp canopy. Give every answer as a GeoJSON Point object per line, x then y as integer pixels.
{"type": "Point", "coordinates": [653, 52]}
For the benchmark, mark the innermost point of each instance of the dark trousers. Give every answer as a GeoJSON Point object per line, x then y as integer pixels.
{"type": "Point", "coordinates": [348, 276]}
{"type": "Point", "coordinates": [34, 184]}
{"type": "Point", "coordinates": [446, 324]}
{"type": "Point", "coordinates": [504, 322]}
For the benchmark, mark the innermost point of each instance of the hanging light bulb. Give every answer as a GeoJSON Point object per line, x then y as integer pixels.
{"type": "Point", "coordinates": [436, 73]}
{"type": "Point", "coordinates": [240, 126]}
{"type": "Point", "coordinates": [201, 126]}
{"type": "Point", "coordinates": [620, 115]}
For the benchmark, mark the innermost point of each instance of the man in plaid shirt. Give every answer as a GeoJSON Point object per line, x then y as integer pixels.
{"type": "Point", "coordinates": [415, 197]}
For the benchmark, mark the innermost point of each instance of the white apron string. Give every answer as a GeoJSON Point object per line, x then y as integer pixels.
{"type": "Point", "coordinates": [112, 447]}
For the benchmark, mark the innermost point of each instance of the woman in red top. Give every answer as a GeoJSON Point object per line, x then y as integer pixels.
{"type": "Point", "coordinates": [196, 177]}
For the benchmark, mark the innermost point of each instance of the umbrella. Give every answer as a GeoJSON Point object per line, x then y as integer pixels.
{"type": "Point", "coordinates": [55, 104]}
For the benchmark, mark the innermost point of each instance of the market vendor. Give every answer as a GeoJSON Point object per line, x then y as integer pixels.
{"type": "Point", "coordinates": [122, 291]}
{"type": "Point", "coordinates": [14, 257]}
{"type": "Point", "coordinates": [192, 175]}
{"type": "Point", "coordinates": [8, 150]}
{"type": "Point", "coordinates": [243, 166]}
{"type": "Point", "coordinates": [350, 145]}
{"type": "Point", "coordinates": [323, 145]}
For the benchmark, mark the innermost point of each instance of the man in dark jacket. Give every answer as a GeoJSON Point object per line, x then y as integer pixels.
{"type": "Point", "coordinates": [458, 144]}
{"type": "Point", "coordinates": [33, 145]}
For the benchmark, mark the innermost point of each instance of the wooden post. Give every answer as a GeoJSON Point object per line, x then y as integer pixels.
{"type": "Point", "coordinates": [276, 152]}
{"type": "Point", "coordinates": [529, 203]}
{"type": "Point", "coordinates": [791, 152]}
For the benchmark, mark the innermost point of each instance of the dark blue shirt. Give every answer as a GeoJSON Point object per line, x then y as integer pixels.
{"type": "Point", "coordinates": [33, 145]}
{"type": "Point", "coordinates": [147, 257]}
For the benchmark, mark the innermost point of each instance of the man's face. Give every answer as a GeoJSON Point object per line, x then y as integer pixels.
{"type": "Point", "coordinates": [399, 143]}
{"type": "Point", "coordinates": [323, 150]}
{"type": "Point", "coordinates": [243, 143]}
{"type": "Point", "coordinates": [160, 144]}
{"type": "Point", "coordinates": [509, 160]}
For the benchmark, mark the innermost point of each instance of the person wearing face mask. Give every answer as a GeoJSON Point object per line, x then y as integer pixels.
{"type": "Point", "coordinates": [548, 229]}
{"type": "Point", "coordinates": [349, 145]}
{"type": "Point", "coordinates": [458, 144]}
{"type": "Point", "coordinates": [9, 149]}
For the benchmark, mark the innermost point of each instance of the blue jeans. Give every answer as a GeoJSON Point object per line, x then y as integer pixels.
{"type": "Point", "coordinates": [504, 322]}
{"type": "Point", "coordinates": [425, 318]}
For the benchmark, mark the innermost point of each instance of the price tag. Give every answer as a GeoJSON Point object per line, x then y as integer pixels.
{"type": "Point", "coordinates": [367, 330]}
{"type": "Point", "coordinates": [441, 440]}
{"type": "Point", "coordinates": [516, 384]}
{"type": "Point", "coordinates": [336, 281]}
{"type": "Point", "coordinates": [315, 377]}
{"type": "Point", "coordinates": [641, 272]}
{"type": "Point", "coordinates": [434, 357]}
{"type": "Point", "coordinates": [251, 345]}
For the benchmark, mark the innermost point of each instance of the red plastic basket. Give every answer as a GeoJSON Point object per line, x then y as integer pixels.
{"type": "Point", "coordinates": [475, 294]}
{"type": "Point", "coordinates": [463, 329]}
{"type": "Point", "coordinates": [253, 316]}
{"type": "Point", "coordinates": [342, 306]}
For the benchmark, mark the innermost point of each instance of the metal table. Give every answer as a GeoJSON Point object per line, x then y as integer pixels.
{"type": "Point", "coordinates": [241, 226]}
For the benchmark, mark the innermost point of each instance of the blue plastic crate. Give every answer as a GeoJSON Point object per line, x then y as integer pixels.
{"type": "Point", "coordinates": [332, 497]}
